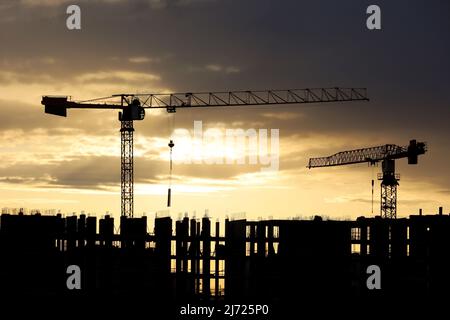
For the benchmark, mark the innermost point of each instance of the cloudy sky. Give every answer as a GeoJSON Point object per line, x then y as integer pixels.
{"type": "Point", "coordinates": [73, 163]}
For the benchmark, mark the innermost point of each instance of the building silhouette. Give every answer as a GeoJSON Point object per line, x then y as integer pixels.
{"type": "Point", "coordinates": [272, 261]}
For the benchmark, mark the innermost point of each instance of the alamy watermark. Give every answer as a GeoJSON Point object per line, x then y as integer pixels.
{"type": "Point", "coordinates": [373, 21]}
{"type": "Point", "coordinates": [73, 21]}
{"type": "Point", "coordinates": [228, 146]}
{"type": "Point", "coordinates": [373, 282]}
{"type": "Point", "coordinates": [73, 281]}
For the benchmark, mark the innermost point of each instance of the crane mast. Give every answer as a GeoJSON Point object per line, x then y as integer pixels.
{"type": "Point", "coordinates": [132, 107]}
{"type": "Point", "coordinates": [127, 165]}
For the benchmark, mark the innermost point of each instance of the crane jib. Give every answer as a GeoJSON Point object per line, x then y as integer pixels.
{"type": "Point", "coordinates": [56, 105]}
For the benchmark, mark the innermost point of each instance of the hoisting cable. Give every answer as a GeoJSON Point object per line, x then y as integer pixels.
{"type": "Point", "coordinates": [169, 192]}
{"type": "Point", "coordinates": [171, 145]}
{"type": "Point", "coordinates": [372, 186]}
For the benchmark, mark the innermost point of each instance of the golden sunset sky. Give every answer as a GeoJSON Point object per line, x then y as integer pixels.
{"type": "Point", "coordinates": [73, 164]}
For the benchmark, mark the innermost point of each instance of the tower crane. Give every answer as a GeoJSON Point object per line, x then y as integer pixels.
{"type": "Point", "coordinates": [132, 107]}
{"type": "Point", "coordinates": [387, 154]}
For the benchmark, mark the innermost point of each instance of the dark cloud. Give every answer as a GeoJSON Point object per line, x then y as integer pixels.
{"type": "Point", "coordinates": [266, 41]}
{"type": "Point", "coordinates": [27, 117]}
{"type": "Point", "coordinates": [102, 172]}
{"type": "Point", "coordinates": [23, 180]}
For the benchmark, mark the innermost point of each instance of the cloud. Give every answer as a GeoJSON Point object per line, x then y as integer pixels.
{"type": "Point", "coordinates": [154, 4]}
{"type": "Point", "coordinates": [7, 77]}
{"type": "Point", "coordinates": [82, 172]}
{"type": "Point", "coordinates": [214, 67]}
{"type": "Point", "coordinates": [409, 202]}
{"type": "Point", "coordinates": [50, 3]}
{"type": "Point", "coordinates": [103, 173]}
{"type": "Point", "coordinates": [139, 60]}
{"type": "Point", "coordinates": [161, 4]}
{"type": "Point", "coordinates": [23, 118]}
{"type": "Point", "coordinates": [281, 115]}
{"type": "Point", "coordinates": [116, 77]}
{"type": "Point", "coordinates": [24, 180]}
{"type": "Point", "coordinates": [232, 69]}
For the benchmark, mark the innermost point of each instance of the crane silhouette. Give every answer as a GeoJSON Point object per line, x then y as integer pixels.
{"type": "Point", "coordinates": [387, 154]}
{"type": "Point", "coordinates": [132, 107]}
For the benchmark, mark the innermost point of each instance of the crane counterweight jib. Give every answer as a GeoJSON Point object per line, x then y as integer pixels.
{"type": "Point", "coordinates": [55, 105]}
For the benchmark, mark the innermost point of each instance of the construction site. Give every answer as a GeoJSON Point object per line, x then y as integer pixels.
{"type": "Point", "coordinates": [192, 260]}
{"type": "Point", "coordinates": [234, 260]}
{"type": "Point", "coordinates": [184, 156]}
